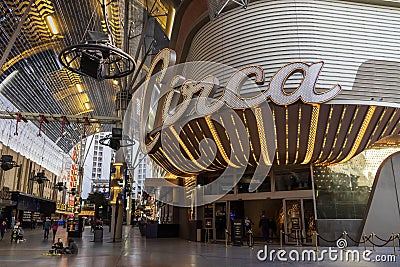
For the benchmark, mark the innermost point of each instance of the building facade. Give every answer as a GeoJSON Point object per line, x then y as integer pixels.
{"type": "Point", "coordinates": [96, 174]}
{"type": "Point", "coordinates": [331, 155]}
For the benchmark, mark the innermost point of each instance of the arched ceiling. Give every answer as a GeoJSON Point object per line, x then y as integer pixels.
{"type": "Point", "coordinates": [33, 80]}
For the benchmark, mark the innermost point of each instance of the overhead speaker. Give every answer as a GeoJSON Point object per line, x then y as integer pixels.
{"type": "Point", "coordinates": [98, 58]}
{"type": "Point", "coordinates": [6, 166]}
{"type": "Point", "coordinates": [115, 144]}
{"type": "Point", "coordinates": [117, 133]}
{"type": "Point", "coordinates": [90, 65]}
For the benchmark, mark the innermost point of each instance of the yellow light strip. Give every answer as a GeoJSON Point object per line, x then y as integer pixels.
{"type": "Point", "coordinates": [179, 160]}
{"type": "Point", "coordinates": [248, 134]}
{"type": "Point", "coordinates": [238, 137]}
{"type": "Point", "coordinates": [227, 138]}
{"type": "Point", "coordinates": [287, 134]}
{"type": "Point", "coordinates": [276, 139]}
{"type": "Point", "coordinates": [155, 157]}
{"type": "Point", "coordinates": [186, 149]}
{"type": "Point", "coordinates": [208, 142]}
{"type": "Point", "coordinates": [218, 142]}
{"type": "Point", "coordinates": [326, 133]}
{"type": "Point", "coordinates": [172, 162]}
{"type": "Point", "coordinates": [212, 165]}
{"type": "Point", "coordinates": [377, 126]}
{"type": "Point", "coordinates": [298, 135]}
{"type": "Point", "coordinates": [261, 135]}
{"type": "Point", "coordinates": [384, 133]}
{"type": "Point", "coordinates": [313, 134]}
{"type": "Point", "coordinates": [337, 133]}
{"type": "Point", "coordinates": [348, 132]}
{"type": "Point", "coordinates": [360, 134]}
{"type": "Point", "coordinates": [394, 127]}
{"type": "Point", "coordinates": [190, 142]}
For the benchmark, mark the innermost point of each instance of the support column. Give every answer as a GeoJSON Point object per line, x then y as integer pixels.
{"type": "Point", "coordinates": [129, 209]}
{"type": "Point", "coordinates": [117, 204]}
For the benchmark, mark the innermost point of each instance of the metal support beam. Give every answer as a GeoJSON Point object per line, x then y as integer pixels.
{"type": "Point", "coordinates": [59, 117]}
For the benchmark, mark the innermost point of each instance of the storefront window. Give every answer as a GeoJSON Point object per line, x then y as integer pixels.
{"type": "Point", "coordinates": [244, 183]}
{"type": "Point", "coordinates": [300, 180]}
{"type": "Point", "coordinates": [342, 191]}
{"type": "Point", "coordinates": [214, 186]}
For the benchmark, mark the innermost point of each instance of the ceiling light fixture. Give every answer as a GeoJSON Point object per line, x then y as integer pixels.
{"type": "Point", "coordinates": [79, 87]}
{"type": "Point", "coordinates": [51, 24]}
{"type": "Point", "coordinates": [87, 105]}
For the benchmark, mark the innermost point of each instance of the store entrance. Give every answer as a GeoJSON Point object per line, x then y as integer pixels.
{"type": "Point", "coordinates": [220, 220]}
{"type": "Point", "coordinates": [299, 221]}
{"type": "Point", "coordinates": [273, 212]}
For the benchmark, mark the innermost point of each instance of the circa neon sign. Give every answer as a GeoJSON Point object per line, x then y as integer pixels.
{"type": "Point", "coordinates": [230, 97]}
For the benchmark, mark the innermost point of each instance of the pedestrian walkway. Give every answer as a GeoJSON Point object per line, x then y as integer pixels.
{"type": "Point", "coordinates": [137, 251]}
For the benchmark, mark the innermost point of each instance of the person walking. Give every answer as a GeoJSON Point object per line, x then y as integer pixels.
{"type": "Point", "coordinates": [3, 227]}
{"type": "Point", "coordinates": [54, 227]}
{"type": "Point", "coordinates": [46, 228]}
{"type": "Point", "coordinates": [247, 224]}
{"type": "Point", "coordinates": [264, 224]}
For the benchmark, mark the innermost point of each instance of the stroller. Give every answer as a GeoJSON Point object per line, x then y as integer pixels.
{"type": "Point", "coordinates": [17, 234]}
{"type": "Point", "coordinates": [14, 235]}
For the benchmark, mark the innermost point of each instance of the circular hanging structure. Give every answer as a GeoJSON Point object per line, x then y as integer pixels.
{"type": "Point", "coordinates": [97, 58]}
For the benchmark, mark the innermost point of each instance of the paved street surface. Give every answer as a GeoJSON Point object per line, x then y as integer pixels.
{"type": "Point", "coordinates": [137, 251]}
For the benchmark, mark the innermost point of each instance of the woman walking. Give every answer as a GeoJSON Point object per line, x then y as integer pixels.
{"type": "Point", "coordinates": [3, 228]}
{"type": "Point", "coordinates": [54, 227]}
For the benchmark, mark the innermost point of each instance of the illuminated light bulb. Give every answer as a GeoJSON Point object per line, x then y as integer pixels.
{"type": "Point", "coordinates": [79, 87]}
{"type": "Point", "coordinates": [51, 24]}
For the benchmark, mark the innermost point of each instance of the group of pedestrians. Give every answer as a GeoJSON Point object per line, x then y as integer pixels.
{"type": "Point", "coordinates": [58, 247]}
{"type": "Point", "coordinates": [47, 225]}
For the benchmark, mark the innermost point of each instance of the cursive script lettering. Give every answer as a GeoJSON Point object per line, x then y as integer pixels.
{"type": "Point", "coordinates": [306, 91]}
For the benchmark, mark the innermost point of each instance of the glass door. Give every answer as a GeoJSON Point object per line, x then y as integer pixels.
{"type": "Point", "coordinates": [299, 221]}
{"type": "Point", "coordinates": [309, 220]}
{"type": "Point", "coordinates": [220, 220]}
{"type": "Point", "coordinates": [293, 225]}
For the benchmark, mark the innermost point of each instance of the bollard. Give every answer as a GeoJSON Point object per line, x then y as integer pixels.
{"type": "Point", "coordinates": [398, 237]}
{"type": "Point", "coordinates": [394, 244]}
{"type": "Point", "coordinates": [373, 245]}
{"type": "Point", "coordinates": [281, 241]}
{"type": "Point", "coordinates": [315, 240]}
{"type": "Point", "coordinates": [226, 237]}
{"type": "Point", "coordinates": [365, 242]}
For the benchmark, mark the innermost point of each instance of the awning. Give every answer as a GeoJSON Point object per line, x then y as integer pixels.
{"type": "Point", "coordinates": [7, 202]}
{"type": "Point", "coordinates": [86, 213]}
{"type": "Point", "coordinates": [64, 212]}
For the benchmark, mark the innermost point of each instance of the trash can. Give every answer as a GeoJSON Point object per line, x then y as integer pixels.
{"type": "Point", "coordinates": [98, 235]}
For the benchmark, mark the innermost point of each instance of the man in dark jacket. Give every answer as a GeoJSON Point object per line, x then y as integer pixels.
{"type": "Point", "coordinates": [46, 227]}
{"type": "Point", "coordinates": [264, 224]}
